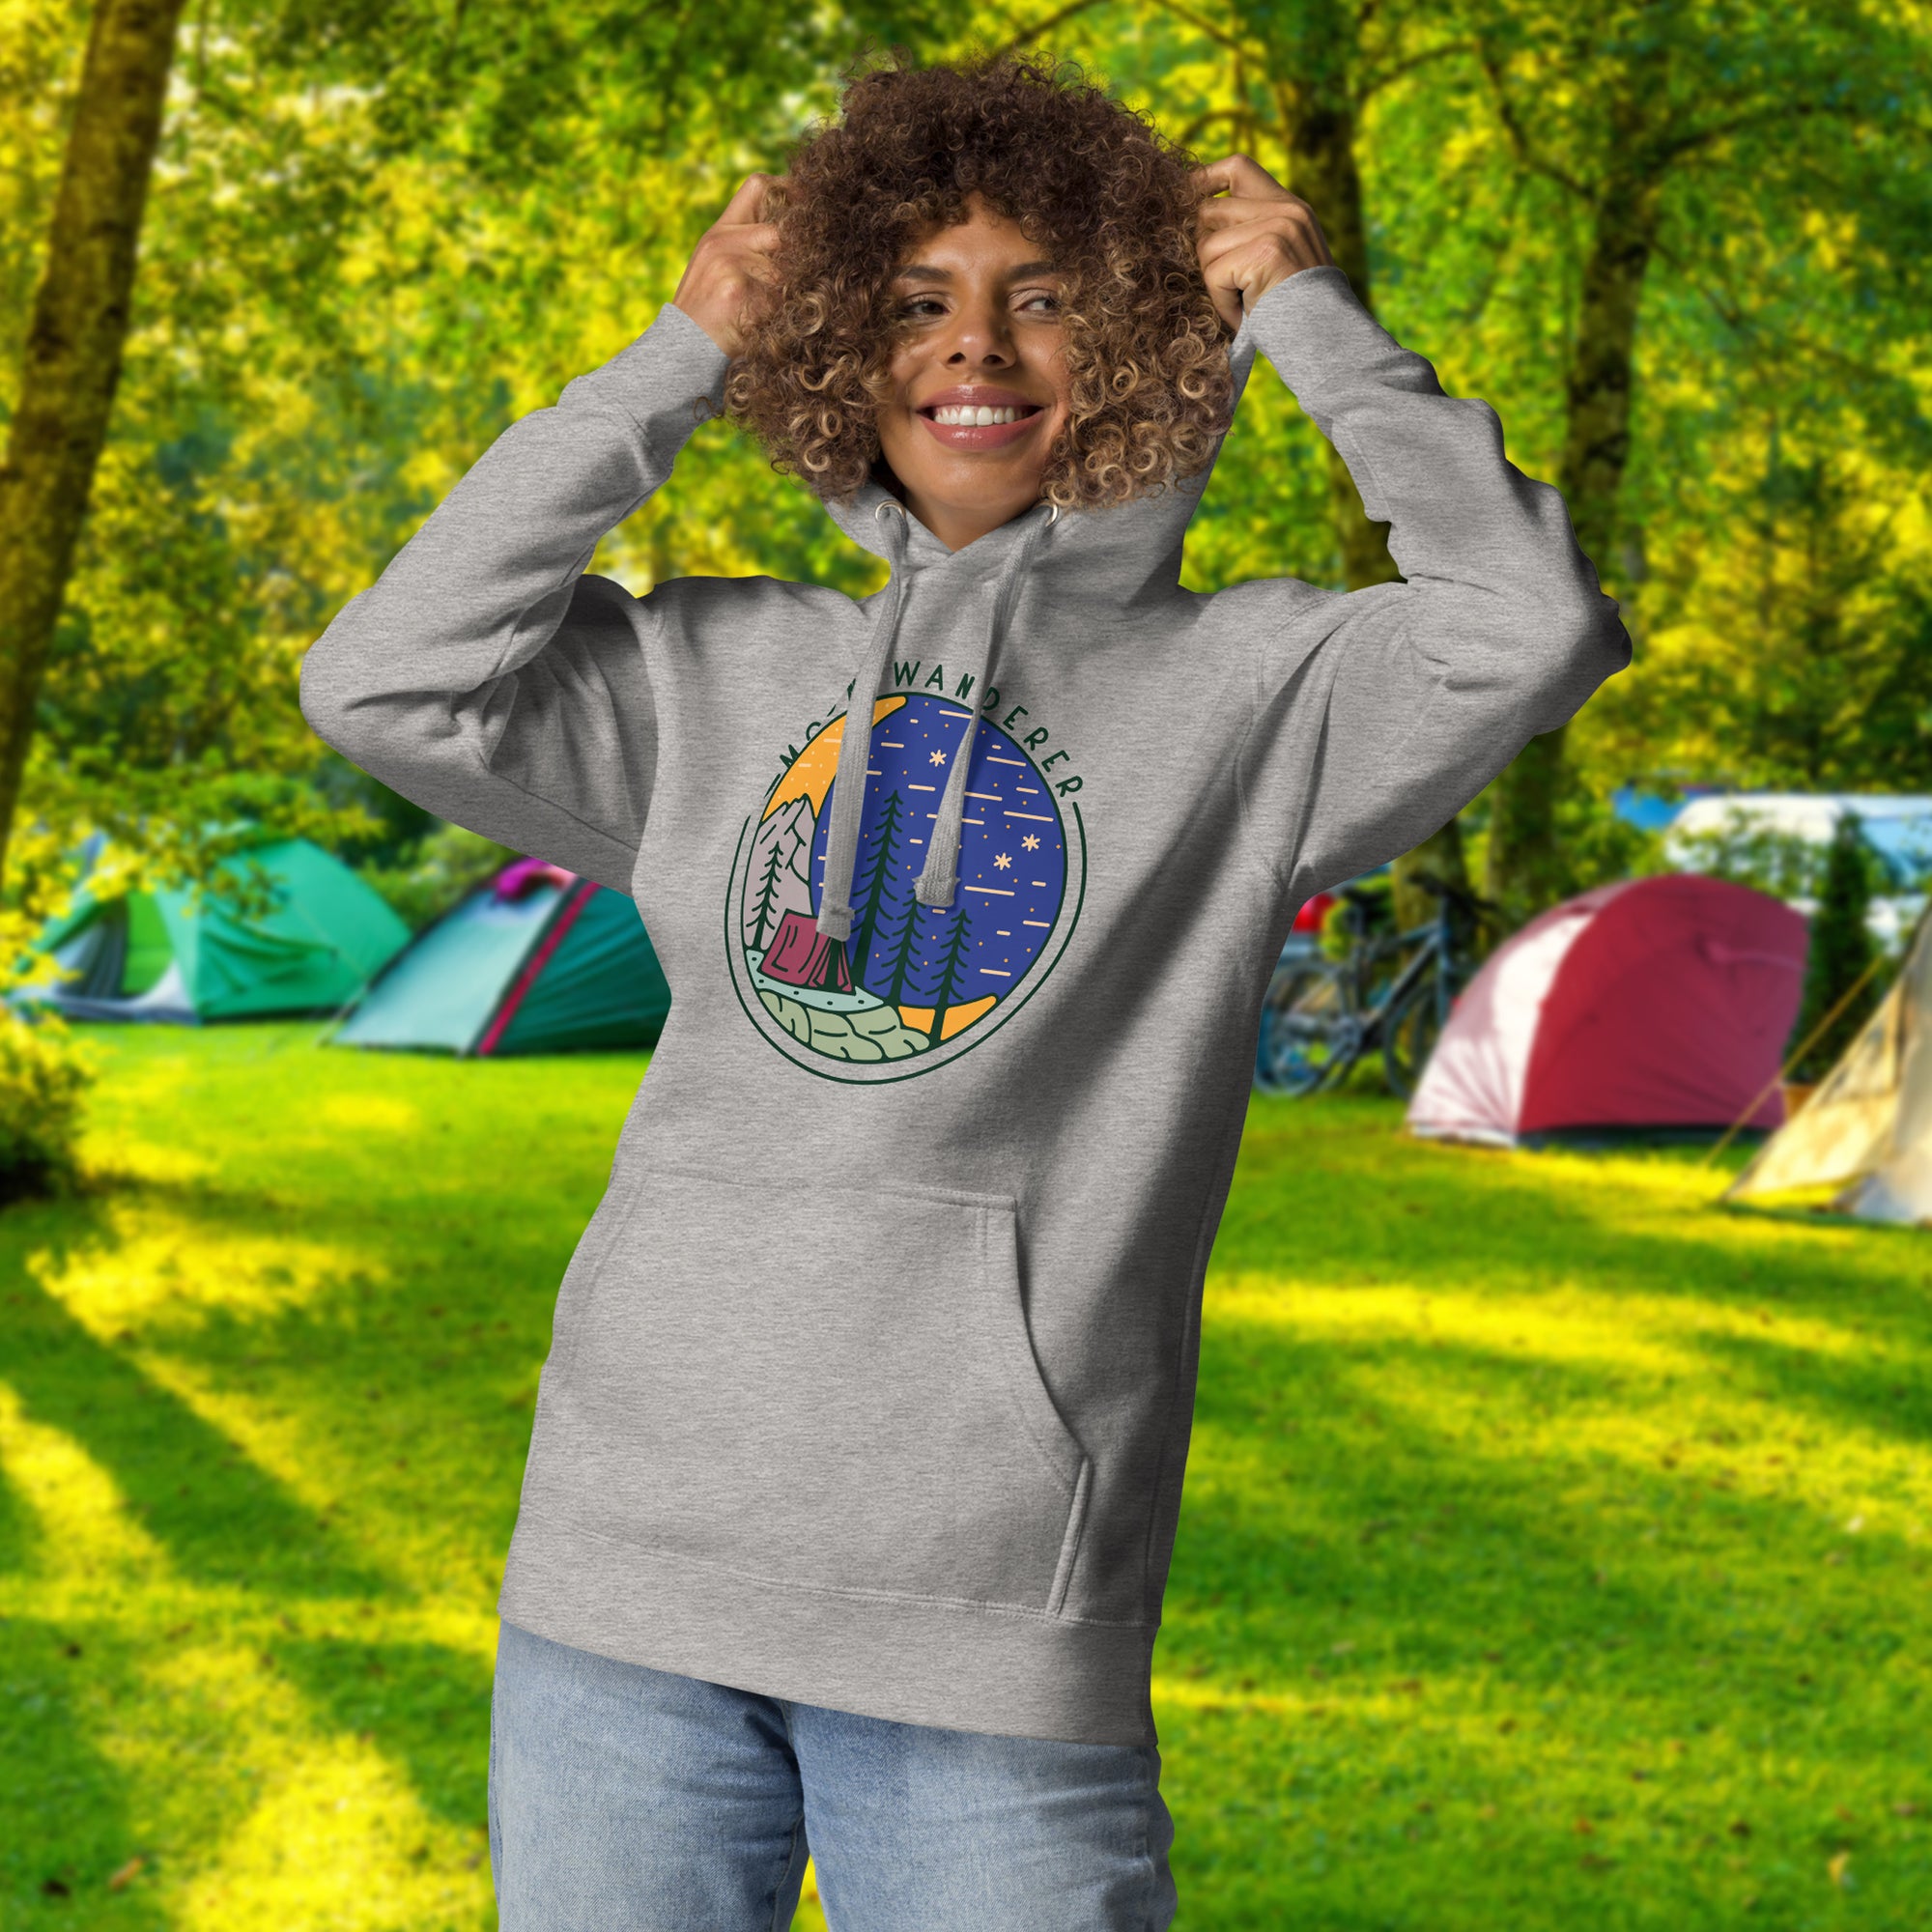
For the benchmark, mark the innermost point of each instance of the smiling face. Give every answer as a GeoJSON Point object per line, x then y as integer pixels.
{"type": "Point", "coordinates": [977, 387]}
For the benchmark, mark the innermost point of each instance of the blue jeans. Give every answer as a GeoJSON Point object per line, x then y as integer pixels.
{"type": "Point", "coordinates": [629, 1799]}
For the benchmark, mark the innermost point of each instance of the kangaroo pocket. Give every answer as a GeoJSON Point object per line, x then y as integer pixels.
{"type": "Point", "coordinates": [832, 1386]}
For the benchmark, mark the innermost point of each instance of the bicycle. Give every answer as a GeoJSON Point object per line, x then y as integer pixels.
{"type": "Point", "coordinates": [1391, 991]}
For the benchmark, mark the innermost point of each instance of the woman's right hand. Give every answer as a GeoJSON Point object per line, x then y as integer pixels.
{"type": "Point", "coordinates": [732, 257]}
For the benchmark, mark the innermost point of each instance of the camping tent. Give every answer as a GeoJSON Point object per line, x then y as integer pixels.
{"type": "Point", "coordinates": [1866, 1131]}
{"type": "Point", "coordinates": [156, 955]}
{"type": "Point", "coordinates": [1651, 1004]}
{"type": "Point", "coordinates": [535, 962]}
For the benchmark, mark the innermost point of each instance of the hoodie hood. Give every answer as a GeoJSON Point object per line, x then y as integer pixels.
{"type": "Point", "coordinates": [1115, 555]}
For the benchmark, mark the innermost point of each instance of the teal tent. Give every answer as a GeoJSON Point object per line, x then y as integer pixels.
{"type": "Point", "coordinates": [536, 962]}
{"type": "Point", "coordinates": [160, 955]}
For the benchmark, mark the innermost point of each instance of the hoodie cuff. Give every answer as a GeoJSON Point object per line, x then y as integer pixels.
{"type": "Point", "coordinates": [1324, 344]}
{"type": "Point", "coordinates": [658, 381]}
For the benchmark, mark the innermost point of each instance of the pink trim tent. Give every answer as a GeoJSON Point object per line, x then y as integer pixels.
{"type": "Point", "coordinates": [1654, 1003]}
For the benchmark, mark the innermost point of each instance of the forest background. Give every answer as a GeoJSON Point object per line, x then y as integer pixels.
{"type": "Point", "coordinates": [1682, 249]}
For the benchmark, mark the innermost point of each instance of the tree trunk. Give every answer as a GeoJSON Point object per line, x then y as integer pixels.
{"type": "Point", "coordinates": [1321, 140]}
{"type": "Point", "coordinates": [1524, 873]}
{"type": "Point", "coordinates": [72, 361]}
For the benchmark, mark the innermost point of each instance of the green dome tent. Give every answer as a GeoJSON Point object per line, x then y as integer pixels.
{"type": "Point", "coordinates": [535, 962]}
{"type": "Point", "coordinates": [155, 955]}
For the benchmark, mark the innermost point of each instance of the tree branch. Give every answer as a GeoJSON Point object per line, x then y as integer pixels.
{"type": "Point", "coordinates": [1194, 128]}
{"type": "Point", "coordinates": [1221, 38]}
{"type": "Point", "coordinates": [1045, 26]}
{"type": "Point", "coordinates": [1519, 136]}
{"type": "Point", "coordinates": [1376, 82]}
{"type": "Point", "coordinates": [1700, 137]}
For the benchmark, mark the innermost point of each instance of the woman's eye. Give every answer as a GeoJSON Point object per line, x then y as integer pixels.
{"type": "Point", "coordinates": [1052, 302]}
{"type": "Point", "coordinates": [923, 305]}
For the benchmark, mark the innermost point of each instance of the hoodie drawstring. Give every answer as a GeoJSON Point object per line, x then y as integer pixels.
{"type": "Point", "coordinates": [939, 879]}
{"type": "Point", "coordinates": [855, 747]}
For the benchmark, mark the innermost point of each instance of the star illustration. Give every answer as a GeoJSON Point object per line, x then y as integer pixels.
{"type": "Point", "coordinates": [1002, 860]}
{"type": "Point", "coordinates": [1031, 843]}
{"type": "Point", "coordinates": [939, 757]}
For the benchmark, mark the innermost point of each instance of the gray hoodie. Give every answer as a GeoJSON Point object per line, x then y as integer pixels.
{"type": "Point", "coordinates": [872, 1374]}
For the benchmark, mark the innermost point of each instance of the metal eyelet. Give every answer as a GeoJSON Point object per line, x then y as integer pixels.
{"type": "Point", "coordinates": [1052, 514]}
{"type": "Point", "coordinates": [886, 503]}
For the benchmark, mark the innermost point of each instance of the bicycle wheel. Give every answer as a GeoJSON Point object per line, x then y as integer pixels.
{"type": "Point", "coordinates": [1408, 1037]}
{"type": "Point", "coordinates": [1308, 1035]}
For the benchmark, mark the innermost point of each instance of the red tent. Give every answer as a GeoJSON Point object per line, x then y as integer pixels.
{"type": "Point", "coordinates": [1656, 1002]}
{"type": "Point", "coordinates": [801, 955]}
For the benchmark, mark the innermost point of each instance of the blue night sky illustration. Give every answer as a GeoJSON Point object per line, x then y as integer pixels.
{"type": "Point", "coordinates": [1012, 859]}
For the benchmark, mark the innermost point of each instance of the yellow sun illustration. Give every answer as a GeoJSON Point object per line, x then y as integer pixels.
{"type": "Point", "coordinates": [814, 768]}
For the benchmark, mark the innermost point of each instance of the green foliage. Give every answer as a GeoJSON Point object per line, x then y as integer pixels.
{"type": "Point", "coordinates": [44, 1075]}
{"type": "Point", "coordinates": [437, 873]}
{"type": "Point", "coordinates": [378, 234]}
{"type": "Point", "coordinates": [1783, 863]}
{"type": "Point", "coordinates": [1595, 844]}
{"type": "Point", "coordinates": [1598, 847]}
{"type": "Point", "coordinates": [1843, 955]}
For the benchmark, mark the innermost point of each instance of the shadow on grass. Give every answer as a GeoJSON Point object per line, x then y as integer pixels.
{"type": "Point", "coordinates": [425, 1707]}
{"type": "Point", "coordinates": [1362, 1508]}
{"type": "Point", "coordinates": [1421, 1678]}
{"type": "Point", "coordinates": [221, 1517]}
{"type": "Point", "coordinates": [66, 1804]}
{"type": "Point", "coordinates": [1334, 1196]}
{"type": "Point", "coordinates": [20, 1535]}
{"type": "Point", "coordinates": [1871, 1392]}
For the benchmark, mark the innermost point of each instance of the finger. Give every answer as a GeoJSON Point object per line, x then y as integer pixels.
{"type": "Point", "coordinates": [1241, 175]}
{"type": "Point", "coordinates": [1298, 227]}
{"type": "Point", "coordinates": [746, 202]}
{"type": "Point", "coordinates": [1238, 210]}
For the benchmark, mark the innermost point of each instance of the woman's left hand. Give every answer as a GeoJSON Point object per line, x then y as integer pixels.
{"type": "Point", "coordinates": [1253, 236]}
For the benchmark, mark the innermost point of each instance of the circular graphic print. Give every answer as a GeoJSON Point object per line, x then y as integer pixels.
{"type": "Point", "coordinates": [915, 985]}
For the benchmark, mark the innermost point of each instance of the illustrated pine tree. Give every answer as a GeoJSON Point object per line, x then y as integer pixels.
{"type": "Point", "coordinates": [952, 968]}
{"type": "Point", "coordinates": [885, 863]}
{"type": "Point", "coordinates": [765, 917]}
{"type": "Point", "coordinates": [890, 985]}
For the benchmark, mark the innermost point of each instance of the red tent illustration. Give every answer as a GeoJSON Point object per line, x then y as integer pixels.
{"type": "Point", "coordinates": [801, 955]}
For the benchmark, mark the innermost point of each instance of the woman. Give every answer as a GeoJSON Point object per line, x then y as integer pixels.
{"type": "Point", "coordinates": [857, 1454]}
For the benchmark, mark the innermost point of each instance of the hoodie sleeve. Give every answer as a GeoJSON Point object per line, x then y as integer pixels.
{"type": "Point", "coordinates": [483, 675]}
{"type": "Point", "coordinates": [1381, 713]}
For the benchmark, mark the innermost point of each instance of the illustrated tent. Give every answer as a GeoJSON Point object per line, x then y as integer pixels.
{"type": "Point", "coordinates": [801, 955]}
{"type": "Point", "coordinates": [158, 955]}
{"type": "Point", "coordinates": [1866, 1131]}
{"type": "Point", "coordinates": [1654, 1003]}
{"type": "Point", "coordinates": [535, 962]}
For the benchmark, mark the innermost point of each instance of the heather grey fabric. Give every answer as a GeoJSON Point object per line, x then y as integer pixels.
{"type": "Point", "coordinates": [872, 1374]}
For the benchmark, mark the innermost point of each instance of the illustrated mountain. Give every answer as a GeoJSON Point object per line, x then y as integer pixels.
{"type": "Point", "coordinates": [778, 881]}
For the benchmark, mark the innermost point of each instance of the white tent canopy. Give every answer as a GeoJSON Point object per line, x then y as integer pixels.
{"type": "Point", "coordinates": [1868, 1129]}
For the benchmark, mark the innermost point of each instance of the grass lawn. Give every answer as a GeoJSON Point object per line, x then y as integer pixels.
{"type": "Point", "coordinates": [1555, 1554]}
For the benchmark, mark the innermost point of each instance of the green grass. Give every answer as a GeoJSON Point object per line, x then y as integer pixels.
{"type": "Point", "coordinates": [1555, 1554]}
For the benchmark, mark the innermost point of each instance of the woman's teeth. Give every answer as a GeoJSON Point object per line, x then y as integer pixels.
{"type": "Point", "coordinates": [965, 416]}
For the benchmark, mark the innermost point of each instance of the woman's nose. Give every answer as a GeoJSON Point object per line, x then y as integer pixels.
{"type": "Point", "coordinates": [980, 335]}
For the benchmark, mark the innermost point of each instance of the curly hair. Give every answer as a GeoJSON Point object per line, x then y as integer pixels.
{"type": "Point", "coordinates": [1145, 350]}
